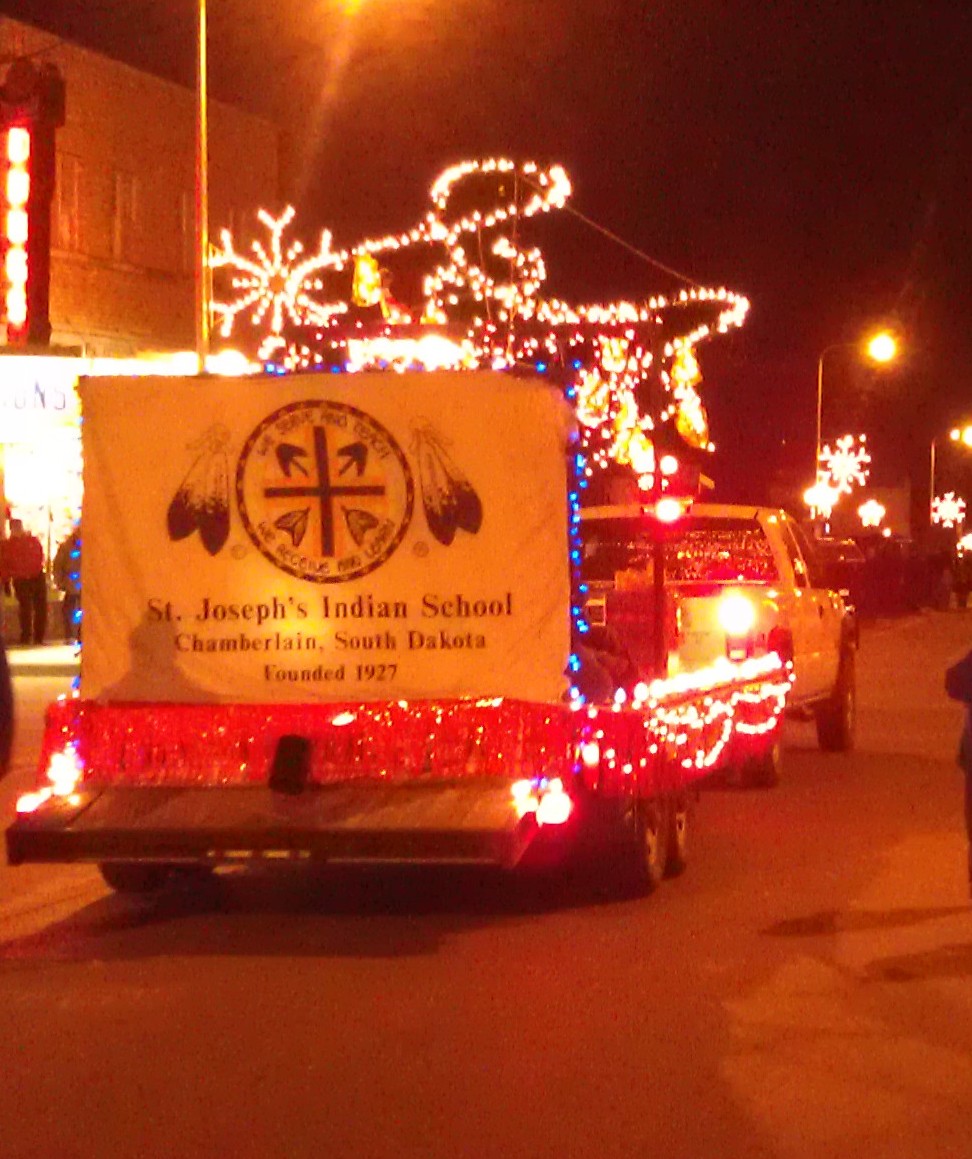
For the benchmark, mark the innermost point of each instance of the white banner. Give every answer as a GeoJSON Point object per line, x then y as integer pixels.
{"type": "Point", "coordinates": [325, 537]}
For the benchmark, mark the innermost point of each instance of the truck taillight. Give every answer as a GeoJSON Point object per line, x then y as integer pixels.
{"type": "Point", "coordinates": [547, 800]}
{"type": "Point", "coordinates": [64, 772]}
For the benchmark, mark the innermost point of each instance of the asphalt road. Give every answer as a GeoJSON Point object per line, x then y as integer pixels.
{"type": "Point", "coordinates": [805, 989]}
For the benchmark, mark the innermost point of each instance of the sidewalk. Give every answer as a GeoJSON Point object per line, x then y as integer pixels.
{"type": "Point", "coordinates": [43, 660]}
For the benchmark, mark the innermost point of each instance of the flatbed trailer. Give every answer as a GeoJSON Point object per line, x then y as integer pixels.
{"type": "Point", "coordinates": [340, 618]}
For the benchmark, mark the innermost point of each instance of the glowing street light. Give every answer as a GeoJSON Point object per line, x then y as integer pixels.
{"type": "Point", "coordinates": [962, 435]}
{"type": "Point", "coordinates": [882, 347]}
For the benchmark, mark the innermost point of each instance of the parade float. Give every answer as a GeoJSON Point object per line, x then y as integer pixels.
{"type": "Point", "coordinates": [338, 611]}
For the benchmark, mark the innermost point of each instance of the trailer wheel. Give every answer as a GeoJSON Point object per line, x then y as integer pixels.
{"type": "Point", "coordinates": [680, 814]}
{"type": "Point", "coordinates": [836, 717]}
{"type": "Point", "coordinates": [762, 771]}
{"type": "Point", "coordinates": [651, 824]}
{"type": "Point", "coordinates": [134, 878]}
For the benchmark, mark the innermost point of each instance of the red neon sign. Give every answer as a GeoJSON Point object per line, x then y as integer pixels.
{"type": "Point", "coordinates": [16, 230]}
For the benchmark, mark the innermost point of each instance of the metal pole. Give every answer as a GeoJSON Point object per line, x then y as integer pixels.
{"type": "Point", "coordinates": [202, 199]}
{"type": "Point", "coordinates": [816, 460]}
{"type": "Point", "coordinates": [660, 642]}
{"type": "Point", "coordinates": [931, 485]}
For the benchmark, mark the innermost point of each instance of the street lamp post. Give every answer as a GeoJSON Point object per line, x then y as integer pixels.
{"type": "Point", "coordinates": [881, 347]}
{"type": "Point", "coordinates": [202, 197]}
{"type": "Point", "coordinates": [961, 435]}
{"type": "Point", "coordinates": [931, 482]}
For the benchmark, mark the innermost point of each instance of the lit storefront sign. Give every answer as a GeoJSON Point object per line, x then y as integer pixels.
{"type": "Point", "coordinates": [40, 443]}
{"type": "Point", "coordinates": [40, 429]}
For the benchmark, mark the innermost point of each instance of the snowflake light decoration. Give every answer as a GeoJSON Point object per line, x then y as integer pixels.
{"type": "Point", "coordinates": [871, 513]}
{"type": "Point", "coordinates": [846, 463]}
{"type": "Point", "coordinates": [278, 285]}
{"type": "Point", "coordinates": [948, 510]}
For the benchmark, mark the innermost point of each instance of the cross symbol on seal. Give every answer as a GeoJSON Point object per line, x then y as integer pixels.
{"type": "Point", "coordinates": [323, 490]}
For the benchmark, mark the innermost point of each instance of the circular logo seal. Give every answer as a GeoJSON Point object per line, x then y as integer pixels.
{"type": "Point", "coordinates": [324, 491]}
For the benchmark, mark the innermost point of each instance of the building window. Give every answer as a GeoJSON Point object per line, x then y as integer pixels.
{"type": "Point", "coordinates": [67, 203]}
{"type": "Point", "coordinates": [124, 216]}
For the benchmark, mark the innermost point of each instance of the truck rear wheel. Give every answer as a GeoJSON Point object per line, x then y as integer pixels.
{"type": "Point", "coordinates": [762, 771]}
{"type": "Point", "coordinates": [836, 717]}
{"type": "Point", "coordinates": [134, 878]}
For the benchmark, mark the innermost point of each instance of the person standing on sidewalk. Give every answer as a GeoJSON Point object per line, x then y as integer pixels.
{"type": "Point", "coordinates": [958, 685]}
{"type": "Point", "coordinates": [22, 561]}
{"type": "Point", "coordinates": [6, 711]}
{"type": "Point", "coordinates": [66, 571]}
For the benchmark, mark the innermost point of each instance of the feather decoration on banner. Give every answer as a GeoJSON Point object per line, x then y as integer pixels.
{"type": "Point", "coordinates": [449, 499]}
{"type": "Point", "coordinates": [202, 502]}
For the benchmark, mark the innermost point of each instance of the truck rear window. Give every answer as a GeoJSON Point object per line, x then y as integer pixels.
{"type": "Point", "coordinates": [721, 549]}
{"type": "Point", "coordinates": [699, 551]}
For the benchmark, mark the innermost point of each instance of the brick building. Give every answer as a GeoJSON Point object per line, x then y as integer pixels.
{"type": "Point", "coordinates": [123, 224]}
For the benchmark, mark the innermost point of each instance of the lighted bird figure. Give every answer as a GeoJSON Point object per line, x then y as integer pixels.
{"type": "Point", "coordinates": [846, 464]}
{"type": "Point", "coordinates": [871, 513]}
{"type": "Point", "coordinates": [948, 510]}
{"type": "Point", "coordinates": [478, 274]}
{"type": "Point", "coordinates": [277, 285]}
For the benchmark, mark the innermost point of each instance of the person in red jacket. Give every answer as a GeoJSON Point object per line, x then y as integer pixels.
{"type": "Point", "coordinates": [22, 561]}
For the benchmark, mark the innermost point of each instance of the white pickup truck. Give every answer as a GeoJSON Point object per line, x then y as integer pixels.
{"type": "Point", "coordinates": [742, 582]}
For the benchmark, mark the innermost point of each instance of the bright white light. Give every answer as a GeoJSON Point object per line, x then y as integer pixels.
{"type": "Point", "coordinates": [821, 497]}
{"type": "Point", "coordinates": [64, 771]}
{"type": "Point", "coordinates": [18, 146]}
{"type": "Point", "coordinates": [590, 754]}
{"type": "Point", "coordinates": [555, 805]}
{"type": "Point", "coordinates": [668, 510]}
{"type": "Point", "coordinates": [31, 802]}
{"type": "Point", "coordinates": [948, 510]}
{"type": "Point", "coordinates": [882, 347]}
{"type": "Point", "coordinates": [737, 614]}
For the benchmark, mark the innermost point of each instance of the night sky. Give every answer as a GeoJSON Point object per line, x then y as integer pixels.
{"type": "Point", "coordinates": [815, 155]}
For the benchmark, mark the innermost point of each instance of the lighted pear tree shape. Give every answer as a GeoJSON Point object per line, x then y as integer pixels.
{"type": "Point", "coordinates": [871, 513]}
